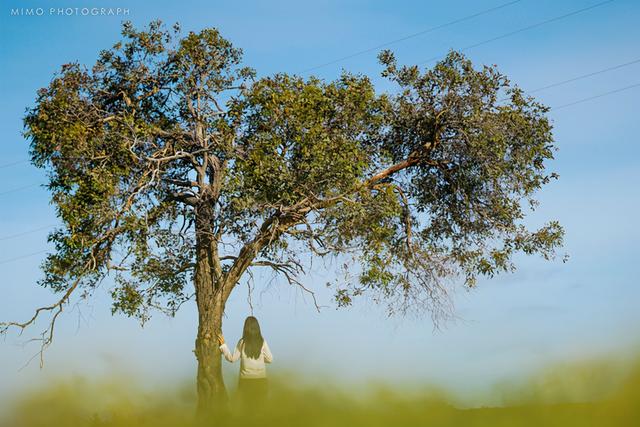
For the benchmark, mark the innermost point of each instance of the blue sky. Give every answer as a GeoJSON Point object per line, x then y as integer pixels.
{"type": "Point", "coordinates": [546, 312]}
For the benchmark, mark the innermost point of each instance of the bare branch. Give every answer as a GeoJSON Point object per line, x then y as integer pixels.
{"type": "Point", "coordinates": [290, 271]}
{"type": "Point", "coordinates": [47, 335]}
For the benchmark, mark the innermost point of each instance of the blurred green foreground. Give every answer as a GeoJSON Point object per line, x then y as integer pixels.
{"type": "Point", "coordinates": [584, 395]}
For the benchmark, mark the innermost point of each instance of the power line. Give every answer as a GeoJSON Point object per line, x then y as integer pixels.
{"type": "Point", "coordinates": [584, 76]}
{"type": "Point", "coordinates": [7, 165]}
{"type": "Point", "coordinates": [13, 190]}
{"type": "Point", "coordinates": [520, 30]}
{"type": "Point", "coordinates": [428, 30]}
{"type": "Point", "coordinates": [24, 233]}
{"type": "Point", "coordinates": [8, 260]}
{"type": "Point", "coordinates": [580, 101]}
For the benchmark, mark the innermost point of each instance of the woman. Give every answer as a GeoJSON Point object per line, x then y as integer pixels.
{"type": "Point", "coordinates": [254, 353]}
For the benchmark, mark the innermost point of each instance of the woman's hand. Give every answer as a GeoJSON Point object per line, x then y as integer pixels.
{"type": "Point", "coordinates": [220, 339]}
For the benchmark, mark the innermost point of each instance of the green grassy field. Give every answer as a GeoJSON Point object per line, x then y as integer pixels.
{"type": "Point", "coordinates": [575, 395]}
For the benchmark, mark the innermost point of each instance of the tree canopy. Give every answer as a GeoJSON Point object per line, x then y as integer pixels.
{"type": "Point", "coordinates": [169, 159]}
{"type": "Point", "coordinates": [161, 123]}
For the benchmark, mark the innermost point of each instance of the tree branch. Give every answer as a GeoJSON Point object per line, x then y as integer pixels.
{"type": "Point", "coordinates": [290, 272]}
{"type": "Point", "coordinates": [47, 335]}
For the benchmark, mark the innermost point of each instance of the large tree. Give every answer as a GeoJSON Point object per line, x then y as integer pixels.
{"type": "Point", "coordinates": [176, 171]}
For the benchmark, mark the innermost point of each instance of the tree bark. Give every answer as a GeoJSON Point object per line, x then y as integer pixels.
{"type": "Point", "coordinates": [210, 299]}
{"type": "Point", "coordinates": [212, 394]}
{"type": "Point", "coordinates": [213, 288]}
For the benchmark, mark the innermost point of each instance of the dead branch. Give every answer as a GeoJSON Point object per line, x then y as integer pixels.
{"type": "Point", "coordinates": [47, 335]}
{"type": "Point", "coordinates": [290, 272]}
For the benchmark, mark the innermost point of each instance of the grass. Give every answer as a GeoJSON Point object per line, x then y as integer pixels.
{"type": "Point", "coordinates": [575, 395]}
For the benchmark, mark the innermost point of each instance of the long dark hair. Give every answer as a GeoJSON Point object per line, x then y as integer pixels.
{"type": "Point", "coordinates": [252, 338]}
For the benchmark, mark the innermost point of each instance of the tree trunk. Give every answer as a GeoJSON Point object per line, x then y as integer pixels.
{"type": "Point", "coordinates": [213, 288]}
{"type": "Point", "coordinates": [212, 395]}
{"type": "Point", "coordinates": [210, 298]}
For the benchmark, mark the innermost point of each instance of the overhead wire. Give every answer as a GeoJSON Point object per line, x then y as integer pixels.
{"type": "Point", "coordinates": [7, 165]}
{"type": "Point", "coordinates": [14, 190]}
{"type": "Point", "coordinates": [580, 101]}
{"type": "Point", "coordinates": [521, 30]}
{"type": "Point", "coordinates": [410, 36]}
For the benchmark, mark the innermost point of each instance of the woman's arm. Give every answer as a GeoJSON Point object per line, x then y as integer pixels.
{"type": "Point", "coordinates": [266, 352]}
{"type": "Point", "coordinates": [227, 353]}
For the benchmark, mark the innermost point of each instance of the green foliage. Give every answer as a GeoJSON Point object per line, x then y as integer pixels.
{"type": "Point", "coordinates": [304, 137]}
{"type": "Point", "coordinates": [168, 154]}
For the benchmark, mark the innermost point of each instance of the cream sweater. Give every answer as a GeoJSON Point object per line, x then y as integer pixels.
{"type": "Point", "coordinates": [249, 368]}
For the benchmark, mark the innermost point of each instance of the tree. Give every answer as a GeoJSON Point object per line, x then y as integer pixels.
{"type": "Point", "coordinates": [170, 164]}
